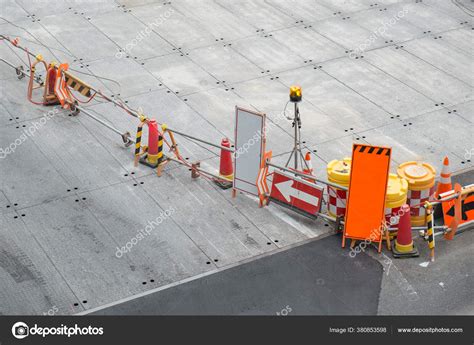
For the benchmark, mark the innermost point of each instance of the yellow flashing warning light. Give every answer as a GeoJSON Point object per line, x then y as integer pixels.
{"type": "Point", "coordinates": [39, 57]}
{"type": "Point", "coordinates": [295, 94]}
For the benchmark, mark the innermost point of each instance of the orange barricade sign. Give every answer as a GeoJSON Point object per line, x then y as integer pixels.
{"type": "Point", "coordinates": [365, 212]}
{"type": "Point", "coordinates": [465, 209]}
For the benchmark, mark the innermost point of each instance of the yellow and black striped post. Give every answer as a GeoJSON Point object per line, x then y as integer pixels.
{"type": "Point", "coordinates": [138, 141]}
{"type": "Point", "coordinates": [430, 229]}
{"type": "Point", "coordinates": [160, 148]}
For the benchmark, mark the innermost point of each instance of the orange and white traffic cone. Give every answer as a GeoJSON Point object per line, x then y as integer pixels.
{"type": "Point", "coordinates": [444, 184]}
{"type": "Point", "coordinates": [308, 167]}
{"type": "Point", "coordinates": [226, 167]}
{"type": "Point", "coordinates": [404, 247]}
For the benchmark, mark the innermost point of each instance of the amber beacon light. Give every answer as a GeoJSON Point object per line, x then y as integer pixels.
{"type": "Point", "coordinates": [295, 94]}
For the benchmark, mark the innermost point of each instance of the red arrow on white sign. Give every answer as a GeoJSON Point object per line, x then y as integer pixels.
{"type": "Point", "coordinates": [296, 193]}
{"type": "Point", "coordinates": [287, 190]}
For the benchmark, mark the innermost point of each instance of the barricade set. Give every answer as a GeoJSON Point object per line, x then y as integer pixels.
{"type": "Point", "coordinates": [364, 200]}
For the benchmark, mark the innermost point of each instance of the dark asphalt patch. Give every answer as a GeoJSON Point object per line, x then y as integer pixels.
{"type": "Point", "coordinates": [464, 178]}
{"type": "Point", "coordinates": [315, 278]}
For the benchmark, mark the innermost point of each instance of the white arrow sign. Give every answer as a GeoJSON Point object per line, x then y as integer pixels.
{"type": "Point", "coordinates": [288, 191]}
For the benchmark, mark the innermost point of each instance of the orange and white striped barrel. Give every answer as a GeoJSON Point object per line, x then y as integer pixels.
{"type": "Point", "coordinates": [421, 181]}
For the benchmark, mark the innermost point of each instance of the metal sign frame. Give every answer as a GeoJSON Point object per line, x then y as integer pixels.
{"type": "Point", "coordinates": [245, 175]}
{"type": "Point", "coordinates": [365, 211]}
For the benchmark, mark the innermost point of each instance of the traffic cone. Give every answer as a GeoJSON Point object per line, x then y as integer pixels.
{"type": "Point", "coordinates": [308, 167]}
{"type": "Point", "coordinates": [444, 184]}
{"type": "Point", "coordinates": [226, 167]}
{"type": "Point", "coordinates": [404, 247]}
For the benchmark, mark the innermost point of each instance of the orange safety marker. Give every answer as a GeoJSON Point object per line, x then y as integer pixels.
{"type": "Point", "coordinates": [459, 210]}
{"type": "Point", "coordinates": [444, 184]}
{"type": "Point", "coordinates": [60, 89]}
{"type": "Point", "coordinates": [262, 186]}
{"type": "Point", "coordinates": [365, 213]}
{"type": "Point", "coordinates": [51, 76]}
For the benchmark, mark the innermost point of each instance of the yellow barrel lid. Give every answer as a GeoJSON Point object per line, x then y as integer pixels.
{"type": "Point", "coordinates": [397, 189]}
{"type": "Point", "coordinates": [419, 175]}
{"type": "Point", "coordinates": [339, 171]}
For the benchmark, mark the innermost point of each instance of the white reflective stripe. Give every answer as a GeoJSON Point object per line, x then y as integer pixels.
{"type": "Point", "coordinates": [445, 169]}
{"type": "Point", "coordinates": [58, 89]}
{"type": "Point", "coordinates": [445, 179]}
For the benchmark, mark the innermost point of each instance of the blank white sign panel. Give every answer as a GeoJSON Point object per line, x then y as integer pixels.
{"type": "Point", "coordinates": [249, 147]}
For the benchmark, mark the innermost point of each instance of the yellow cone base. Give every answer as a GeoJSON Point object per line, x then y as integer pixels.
{"type": "Point", "coordinates": [228, 183]}
{"type": "Point", "coordinates": [227, 177]}
{"type": "Point", "coordinates": [404, 251]}
{"type": "Point", "coordinates": [150, 160]}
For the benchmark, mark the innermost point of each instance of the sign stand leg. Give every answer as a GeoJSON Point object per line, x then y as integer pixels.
{"type": "Point", "coordinates": [387, 239]}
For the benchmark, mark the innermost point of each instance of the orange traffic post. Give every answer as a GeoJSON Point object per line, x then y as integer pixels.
{"type": "Point", "coordinates": [457, 219]}
{"type": "Point", "coordinates": [226, 168]}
